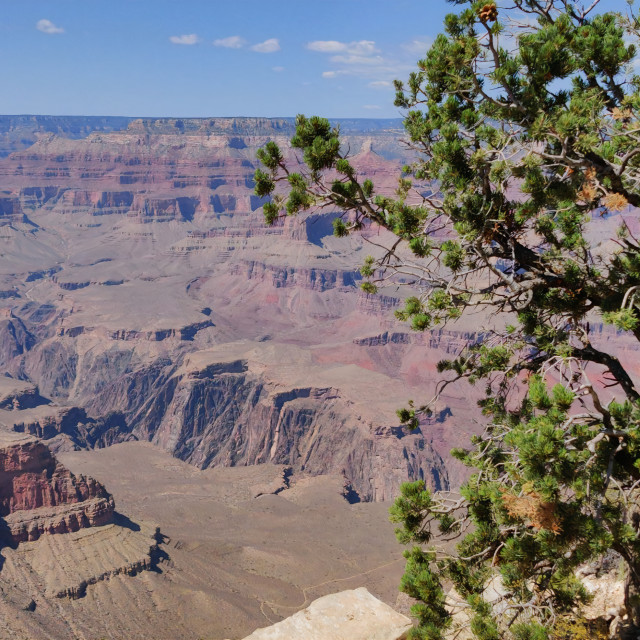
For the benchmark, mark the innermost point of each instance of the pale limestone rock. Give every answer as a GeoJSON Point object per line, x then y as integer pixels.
{"type": "Point", "coordinates": [348, 615]}
{"type": "Point", "coordinates": [494, 592]}
{"type": "Point", "coordinates": [607, 589]}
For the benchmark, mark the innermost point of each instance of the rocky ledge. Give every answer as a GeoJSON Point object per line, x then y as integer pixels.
{"type": "Point", "coordinates": [39, 495]}
{"type": "Point", "coordinates": [349, 615]}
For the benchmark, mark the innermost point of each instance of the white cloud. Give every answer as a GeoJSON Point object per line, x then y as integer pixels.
{"type": "Point", "coordinates": [232, 42]}
{"type": "Point", "coordinates": [357, 58]}
{"type": "Point", "coordinates": [371, 106]}
{"type": "Point", "coordinates": [359, 48]}
{"type": "Point", "coordinates": [362, 48]}
{"type": "Point", "coordinates": [418, 46]}
{"type": "Point", "coordinates": [326, 46]}
{"type": "Point", "coordinates": [277, 69]}
{"type": "Point", "coordinates": [268, 46]}
{"type": "Point", "coordinates": [46, 26]}
{"type": "Point", "coordinates": [190, 38]}
{"type": "Point", "coordinates": [380, 84]}
{"type": "Point", "coordinates": [352, 59]}
{"type": "Point", "coordinates": [364, 59]}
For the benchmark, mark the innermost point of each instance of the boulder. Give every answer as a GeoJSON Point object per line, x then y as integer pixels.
{"type": "Point", "coordinates": [348, 615]}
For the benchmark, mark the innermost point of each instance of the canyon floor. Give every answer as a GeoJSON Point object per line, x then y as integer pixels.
{"type": "Point", "coordinates": [242, 547]}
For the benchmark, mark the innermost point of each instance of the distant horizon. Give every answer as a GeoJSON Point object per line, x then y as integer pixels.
{"type": "Point", "coordinates": [180, 117]}
{"type": "Point", "coordinates": [104, 115]}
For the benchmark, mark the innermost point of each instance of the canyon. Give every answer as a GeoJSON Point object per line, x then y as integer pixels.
{"type": "Point", "coordinates": [214, 553]}
{"type": "Point", "coordinates": [207, 398]}
{"type": "Point", "coordinates": [198, 412]}
{"type": "Point", "coordinates": [144, 298]}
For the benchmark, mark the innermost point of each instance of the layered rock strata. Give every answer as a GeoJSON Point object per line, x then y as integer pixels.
{"type": "Point", "coordinates": [67, 565]}
{"type": "Point", "coordinates": [38, 495]}
{"type": "Point", "coordinates": [20, 132]}
{"type": "Point", "coordinates": [167, 256]}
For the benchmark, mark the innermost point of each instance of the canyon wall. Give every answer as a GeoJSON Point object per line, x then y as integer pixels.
{"type": "Point", "coordinates": [40, 496]}
{"type": "Point", "coordinates": [21, 131]}
{"type": "Point", "coordinates": [143, 298]}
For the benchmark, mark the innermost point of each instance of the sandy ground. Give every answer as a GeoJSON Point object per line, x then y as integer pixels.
{"type": "Point", "coordinates": [236, 561]}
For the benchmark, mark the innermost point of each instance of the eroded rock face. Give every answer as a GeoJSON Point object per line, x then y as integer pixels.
{"type": "Point", "coordinates": [39, 495]}
{"type": "Point", "coordinates": [238, 417]}
{"type": "Point", "coordinates": [67, 565]}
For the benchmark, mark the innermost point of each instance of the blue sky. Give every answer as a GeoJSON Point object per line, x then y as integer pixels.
{"type": "Point", "coordinates": [212, 57]}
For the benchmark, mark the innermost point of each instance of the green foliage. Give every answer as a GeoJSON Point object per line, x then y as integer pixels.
{"type": "Point", "coordinates": [407, 417]}
{"type": "Point", "coordinates": [369, 288]}
{"type": "Point", "coordinates": [453, 255]}
{"type": "Point", "coordinates": [367, 268]}
{"type": "Point", "coordinates": [624, 319]}
{"type": "Point", "coordinates": [264, 184]}
{"type": "Point", "coordinates": [421, 583]}
{"type": "Point", "coordinates": [340, 229]}
{"type": "Point", "coordinates": [270, 212]}
{"type": "Point", "coordinates": [270, 156]}
{"type": "Point", "coordinates": [539, 505]}
{"type": "Point", "coordinates": [525, 138]}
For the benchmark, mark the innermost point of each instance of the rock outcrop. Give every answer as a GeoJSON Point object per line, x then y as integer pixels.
{"type": "Point", "coordinates": [348, 615]}
{"type": "Point", "coordinates": [68, 564]}
{"type": "Point", "coordinates": [246, 403]}
{"type": "Point", "coordinates": [239, 542]}
{"type": "Point", "coordinates": [38, 495]}
{"type": "Point", "coordinates": [20, 132]}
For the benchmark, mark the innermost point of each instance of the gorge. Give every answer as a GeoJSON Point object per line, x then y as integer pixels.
{"type": "Point", "coordinates": [228, 385]}
{"type": "Point", "coordinates": [149, 317]}
{"type": "Point", "coordinates": [145, 299]}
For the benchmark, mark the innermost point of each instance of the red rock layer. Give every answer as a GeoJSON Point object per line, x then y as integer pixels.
{"type": "Point", "coordinates": [39, 495]}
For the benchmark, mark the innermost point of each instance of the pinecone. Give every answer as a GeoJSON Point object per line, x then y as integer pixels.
{"type": "Point", "coordinates": [488, 13]}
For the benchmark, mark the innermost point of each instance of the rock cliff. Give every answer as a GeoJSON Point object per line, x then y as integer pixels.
{"type": "Point", "coordinates": [38, 495]}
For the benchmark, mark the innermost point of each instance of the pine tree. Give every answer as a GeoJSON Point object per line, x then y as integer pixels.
{"type": "Point", "coordinates": [526, 125]}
